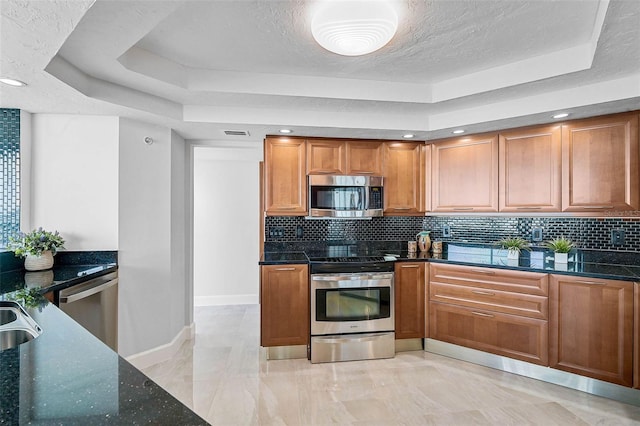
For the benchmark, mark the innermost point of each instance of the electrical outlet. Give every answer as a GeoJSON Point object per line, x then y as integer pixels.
{"type": "Point", "coordinates": [299, 231]}
{"type": "Point", "coordinates": [446, 231]}
{"type": "Point", "coordinates": [536, 234]}
{"type": "Point", "coordinates": [617, 237]}
{"type": "Point", "coordinates": [276, 232]}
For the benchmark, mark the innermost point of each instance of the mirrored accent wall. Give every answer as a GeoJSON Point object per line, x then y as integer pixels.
{"type": "Point", "coordinates": [9, 173]}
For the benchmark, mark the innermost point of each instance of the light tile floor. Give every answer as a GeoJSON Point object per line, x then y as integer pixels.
{"type": "Point", "coordinates": [224, 377]}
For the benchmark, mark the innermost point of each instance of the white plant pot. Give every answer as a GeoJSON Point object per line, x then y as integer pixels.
{"type": "Point", "coordinates": [561, 257]}
{"type": "Point", "coordinates": [513, 254]}
{"type": "Point", "coordinates": [39, 263]}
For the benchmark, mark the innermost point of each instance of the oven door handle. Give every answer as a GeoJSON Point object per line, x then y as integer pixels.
{"type": "Point", "coordinates": [353, 277]}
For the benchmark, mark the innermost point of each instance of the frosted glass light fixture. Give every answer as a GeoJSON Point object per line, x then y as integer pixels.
{"type": "Point", "coordinates": [354, 27]}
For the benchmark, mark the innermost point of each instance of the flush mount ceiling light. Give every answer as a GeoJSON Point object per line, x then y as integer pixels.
{"type": "Point", "coordinates": [285, 131]}
{"type": "Point", "coordinates": [12, 82]}
{"type": "Point", "coordinates": [354, 27]}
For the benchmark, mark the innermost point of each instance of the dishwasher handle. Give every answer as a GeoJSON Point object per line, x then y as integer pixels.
{"type": "Point", "coordinates": [86, 290]}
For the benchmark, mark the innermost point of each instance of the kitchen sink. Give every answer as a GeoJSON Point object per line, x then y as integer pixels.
{"type": "Point", "coordinates": [16, 326]}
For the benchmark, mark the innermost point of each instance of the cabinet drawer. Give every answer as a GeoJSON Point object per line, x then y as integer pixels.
{"type": "Point", "coordinates": [533, 283]}
{"type": "Point", "coordinates": [495, 300]}
{"type": "Point", "coordinates": [512, 336]}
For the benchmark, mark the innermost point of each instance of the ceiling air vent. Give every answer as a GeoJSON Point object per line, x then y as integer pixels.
{"type": "Point", "coordinates": [236, 133]}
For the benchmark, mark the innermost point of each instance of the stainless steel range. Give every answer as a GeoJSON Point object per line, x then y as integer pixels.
{"type": "Point", "coordinates": [352, 304]}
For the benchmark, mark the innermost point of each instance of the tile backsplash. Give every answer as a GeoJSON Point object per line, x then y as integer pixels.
{"type": "Point", "coordinates": [9, 173]}
{"type": "Point", "coordinates": [587, 233]}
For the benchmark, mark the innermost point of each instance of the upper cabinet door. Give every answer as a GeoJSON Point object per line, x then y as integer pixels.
{"type": "Point", "coordinates": [465, 174]}
{"type": "Point", "coordinates": [403, 169]}
{"type": "Point", "coordinates": [364, 158]}
{"type": "Point", "coordinates": [325, 157]}
{"type": "Point", "coordinates": [285, 180]}
{"type": "Point", "coordinates": [530, 170]}
{"type": "Point", "coordinates": [600, 164]}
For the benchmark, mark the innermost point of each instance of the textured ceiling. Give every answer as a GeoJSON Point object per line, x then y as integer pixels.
{"type": "Point", "coordinates": [202, 67]}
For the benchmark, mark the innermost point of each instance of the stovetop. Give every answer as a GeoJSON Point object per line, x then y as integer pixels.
{"type": "Point", "coordinates": [347, 259]}
{"type": "Point", "coordinates": [349, 264]}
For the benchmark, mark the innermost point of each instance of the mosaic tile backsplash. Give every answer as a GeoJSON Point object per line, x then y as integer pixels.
{"type": "Point", "coordinates": [587, 233]}
{"type": "Point", "coordinates": [9, 173]}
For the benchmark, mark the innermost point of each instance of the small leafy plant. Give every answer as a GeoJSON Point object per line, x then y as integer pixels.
{"type": "Point", "coordinates": [35, 242]}
{"type": "Point", "coordinates": [514, 244]}
{"type": "Point", "coordinates": [559, 245]}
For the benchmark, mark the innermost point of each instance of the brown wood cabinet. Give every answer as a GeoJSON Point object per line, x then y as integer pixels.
{"type": "Point", "coordinates": [285, 192]}
{"type": "Point", "coordinates": [465, 174]}
{"type": "Point", "coordinates": [530, 170]}
{"type": "Point", "coordinates": [364, 158]}
{"type": "Point", "coordinates": [501, 334]}
{"type": "Point", "coordinates": [405, 171]}
{"type": "Point", "coordinates": [600, 164]}
{"type": "Point", "coordinates": [499, 311]}
{"type": "Point", "coordinates": [636, 337]}
{"type": "Point", "coordinates": [591, 327]}
{"type": "Point", "coordinates": [284, 305]}
{"type": "Point", "coordinates": [326, 157]}
{"type": "Point", "coordinates": [410, 298]}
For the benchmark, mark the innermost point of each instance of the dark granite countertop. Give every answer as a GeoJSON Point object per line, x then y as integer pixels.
{"type": "Point", "coordinates": [588, 263]}
{"type": "Point", "coordinates": [66, 375]}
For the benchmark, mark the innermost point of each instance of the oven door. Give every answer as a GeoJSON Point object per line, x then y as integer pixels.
{"type": "Point", "coordinates": [351, 303]}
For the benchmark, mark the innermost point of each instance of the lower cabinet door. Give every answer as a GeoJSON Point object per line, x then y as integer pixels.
{"type": "Point", "coordinates": [512, 336]}
{"type": "Point", "coordinates": [591, 327]}
{"type": "Point", "coordinates": [410, 300]}
{"type": "Point", "coordinates": [284, 305]}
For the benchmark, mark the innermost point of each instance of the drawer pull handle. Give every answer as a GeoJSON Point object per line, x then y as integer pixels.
{"type": "Point", "coordinates": [479, 271]}
{"type": "Point", "coordinates": [529, 208]}
{"type": "Point", "coordinates": [402, 208]}
{"type": "Point", "coordinates": [285, 269]}
{"type": "Point", "coordinates": [597, 207]}
{"type": "Point", "coordinates": [410, 266]}
{"type": "Point", "coordinates": [481, 314]}
{"type": "Point", "coordinates": [287, 208]}
{"type": "Point", "coordinates": [484, 293]}
{"type": "Point", "coordinates": [591, 282]}
{"type": "Point", "coordinates": [463, 208]}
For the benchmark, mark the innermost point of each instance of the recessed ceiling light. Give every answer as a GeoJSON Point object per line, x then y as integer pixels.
{"type": "Point", "coordinates": [285, 131]}
{"type": "Point", "coordinates": [12, 82]}
{"type": "Point", "coordinates": [457, 132]}
{"type": "Point", "coordinates": [353, 28]}
{"type": "Point", "coordinates": [408, 136]}
{"type": "Point", "coordinates": [562, 115]}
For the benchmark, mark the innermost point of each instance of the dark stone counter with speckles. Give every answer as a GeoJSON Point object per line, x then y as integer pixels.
{"type": "Point", "coordinates": [587, 263]}
{"type": "Point", "coordinates": [66, 376]}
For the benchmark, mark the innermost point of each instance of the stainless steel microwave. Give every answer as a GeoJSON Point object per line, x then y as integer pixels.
{"type": "Point", "coordinates": [346, 197]}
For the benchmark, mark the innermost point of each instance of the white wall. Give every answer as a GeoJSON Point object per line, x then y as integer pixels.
{"type": "Point", "coordinates": [152, 272]}
{"type": "Point", "coordinates": [74, 179]}
{"type": "Point", "coordinates": [226, 224]}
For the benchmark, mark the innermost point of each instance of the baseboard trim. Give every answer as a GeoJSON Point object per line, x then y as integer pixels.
{"type": "Point", "coordinates": [546, 374]}
{"type": "Point", "coordinates": [164, 352]}
{"type": "Point", "coordinates": [235, 299]}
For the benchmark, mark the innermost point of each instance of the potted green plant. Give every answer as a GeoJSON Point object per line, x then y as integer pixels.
{"type": "Point", "coordinates": [561, 247]}
{"type": "Point", "coordinates": [514, 245]}
{"type": "Point", "coordinates": [37, 247]}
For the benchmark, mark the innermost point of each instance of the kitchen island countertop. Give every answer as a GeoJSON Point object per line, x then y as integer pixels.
{"type": "Point", "coordinates": [68, 376]}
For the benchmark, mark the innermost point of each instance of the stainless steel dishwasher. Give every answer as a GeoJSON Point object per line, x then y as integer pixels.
{"type": "Point", "coordinates": [94, 305]}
